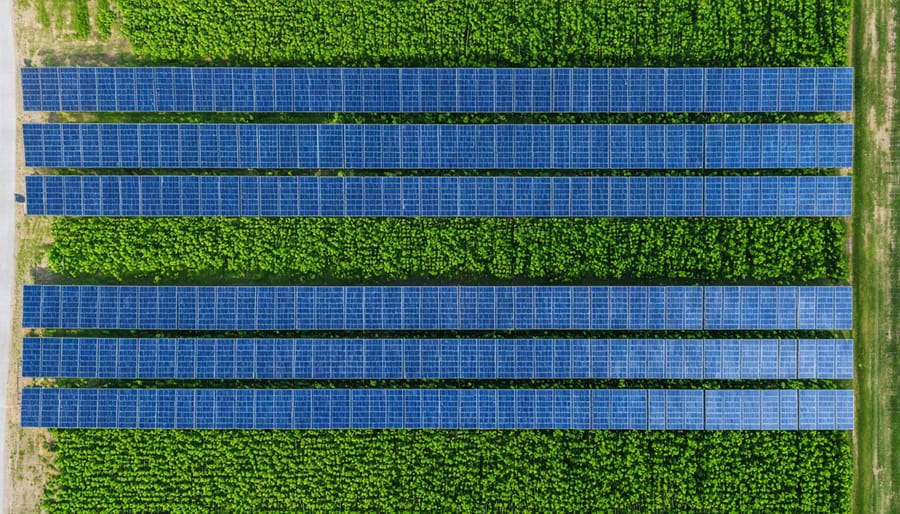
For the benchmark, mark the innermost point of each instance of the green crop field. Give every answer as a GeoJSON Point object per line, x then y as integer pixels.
{"type": "Point", "coordinates": [310, 250]}
{"type": "Point", "coordinates": [456, 471]}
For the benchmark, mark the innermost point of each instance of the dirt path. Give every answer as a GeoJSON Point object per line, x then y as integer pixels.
{"type": "Point", "coordinates": [8, 64]}
{"type": "Point", "coordinates": [874, 234]}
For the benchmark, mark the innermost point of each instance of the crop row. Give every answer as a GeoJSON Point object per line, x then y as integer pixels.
{"type": "Point", "coordinates": [474, 251]}
{"type": "Point", "coordinates": [417, 471]}
{"type": "Point", "coordinates": [505, 32]}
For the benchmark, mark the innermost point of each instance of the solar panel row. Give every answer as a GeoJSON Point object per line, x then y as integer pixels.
{"type": "Point", "coordinates": [760, 410]}
{"type": "Point", "coordinates": [439, 308]}
{"type": "Point", "coordinates": [332, 146]}
{"type": "Point", "coordinates": [437, 196]}
{"type": "Point", "coordinates": [438, 90]}
{"type": "Point", "coordinates": [335, 359]}
{"type": "Point", "coordinates": [615, 409]}
{"type": "Point", "coordinates": [748, 308]}
{"type": "Point", "coordinates": [825, 357]}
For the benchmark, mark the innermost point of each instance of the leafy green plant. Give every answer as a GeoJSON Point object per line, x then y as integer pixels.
{"type": "Point", "coordinates": [473, 250]}
{"type": "Point", "coordinates": [498, 33]}
{"type": "Point", "coordinates": [474, 471]}
{"type": "Point", "coordinates": [105, 18]}
{"type": "Point", "coordinates": [81, 19]}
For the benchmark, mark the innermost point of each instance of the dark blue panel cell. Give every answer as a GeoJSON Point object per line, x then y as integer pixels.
{"type": "Point", "coordinates": [146, 90]}
{"type": "Point", "coordinates": [618, 196]}
{"type": "Point", "coordinates": [430, 196]}
{"type": "Point", "coordinates": [674, 90]}
{"type": "Point", "coordinates": [298, 82]}
{"type": "Point", "coordinates": [372, 90]}
{"type": "Point", "coordinates": [843, 143]}
{"type": "Point", "coordinates": [806, 99]}
{"type": "Point", "coordinates": [843, 90]}
{"type": "Point", "coordinates": [502, 83]}
{"type": "Point", "coordinates": [693, 89]}
{"type": "Point", "coordinates": [388, 82]}
{"type": "Point", "coordinates": [561, 197]}
{"type": "Point", "coordinates": [788, 90]}
{"type": "Point", "coordinates": [200, 352]}
{"type": "Point", "coordinates": [36, 203]}
{"type": "Point", "coordinates": [541, 203]}
{"type": "Point", "coordinates": [420, 408]}
{"type": "Point", "coordinates": [563, 91]}
{"type": "Point", "coordinates": [126, 406]}
{"type": "Point", "coordinates": [283, 91]}
{"type": "Point", "coordinates": [541, 89]}
{"type": "Point", "coordinates": [523, 196]}
{"type": "Point", "coordinates": [522, 90]}
{"type": "Point", "coordinates": [164, 89]}
{"type": "Point", "coordinates": [408, 95]}
{"type": "Point", "coordinates": [191, 90]}
{"type": "Point", "coordinates": [72, 145]}
{"type": "Point", "coordinates": [31, 87]}
{"type": "Point", "coordinates": [466, 90]}
{"type": "Point", "coordinates": [68, 83]}
{"type": "Point", "coordinates": [125, 89]}
{"type": "Point", "coordinates": [50, 92]}
{"type": "Point", "coordinates": [629, 89]}
{"type": "Point", "coordinates": [445, 91]}
{"type": "Point", "coordinates": [623, 148]}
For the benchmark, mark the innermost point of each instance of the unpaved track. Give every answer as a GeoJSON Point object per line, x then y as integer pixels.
{"type": "Point", "coordinates": [874, 238]}
{"type": "Point", "coordinates": [8, 110]}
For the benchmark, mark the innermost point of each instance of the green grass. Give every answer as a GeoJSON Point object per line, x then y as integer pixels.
{"type": "Point", "coordinates": [877, 317]}
{"type": "Point", "coordinates": [73, 17]}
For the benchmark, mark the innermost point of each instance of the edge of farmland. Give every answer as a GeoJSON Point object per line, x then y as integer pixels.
{"type": "Point", "coordinates": [873, 258]}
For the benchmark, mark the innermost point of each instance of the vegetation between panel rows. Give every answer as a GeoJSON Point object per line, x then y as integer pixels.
{"type": "Point", "coordinates": [474, 471]}
{"type": "Point", "coordinates": [501, 33]}
{"type": "Point", "coordinates": [475, 250]}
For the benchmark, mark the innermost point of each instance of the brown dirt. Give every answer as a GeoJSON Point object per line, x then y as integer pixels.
{"type": "Point", "coordinates": [42, 46]}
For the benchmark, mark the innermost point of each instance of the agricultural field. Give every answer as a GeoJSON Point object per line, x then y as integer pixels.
{"type": "Point", "coordinates": [424, 470]}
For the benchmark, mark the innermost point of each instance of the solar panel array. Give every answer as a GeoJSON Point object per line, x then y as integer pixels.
{"type": "Point", "coordinates": [437, 196]}
{"type": "Point", "coordinates": [438, 90]}
{"type": "Point", "coordinates": [336, 359]}
{"type": "Point", "coordinates": [333, 146]}
{"type": "Point", "coordinates": [437, 308]}
{"type": "Point", "coordinates": [751, 308]}
{"type": "Point", "coordinates": [797, 410]}
{"type": "Point", "coordinates": [361, 146]}
{"type": "Point", "coordinates": [612, 409]}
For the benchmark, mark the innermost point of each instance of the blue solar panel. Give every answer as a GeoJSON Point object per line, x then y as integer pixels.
{"type": "Point", "coordinates": [458, 308]}
{"type": "Point", "coordinates": [436, 146]}
{"type": "Point", "coordinates": [770, 196]}
{"type": "Point", "coordinates": [437, 90]}
{"type": "Point", "coordinates": [843, 409]}
{"type": "Point", "coordinates": [771, 410]}
{"type": "Point", "coordinates": [618, 409]}
{"type": "Point", "coordinates": [337, 359]}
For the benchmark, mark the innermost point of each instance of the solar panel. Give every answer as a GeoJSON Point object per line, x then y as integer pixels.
{"type": "Point", "coordinates": [615, 409]}
{"type": "Point", "coordinates": [773, 410]}
{"type": "Point", "coordinates": [746, 308]}
{"type": "Point", "coordinates": [332, 146]}
{"type": "Point", "coordinates": [404, 308]}
{"type": "Point", "coordinates": [336, 359]}
{"type": "Point", "coordinates": [429, 196]}
{"type": "Point", "coordinates": [436, 90]}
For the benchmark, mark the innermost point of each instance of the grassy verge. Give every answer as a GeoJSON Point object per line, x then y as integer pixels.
{"type": "Point", "coordinates": [874, 266]}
